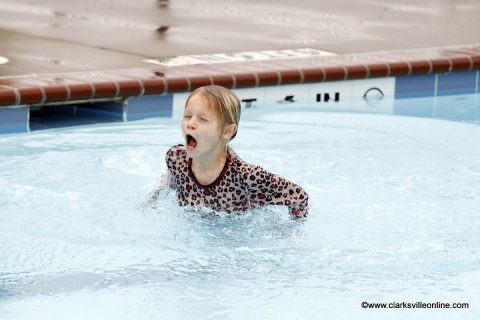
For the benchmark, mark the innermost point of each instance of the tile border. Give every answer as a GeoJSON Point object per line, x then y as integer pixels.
{"type": "Point", "coordinates": [116, 84]}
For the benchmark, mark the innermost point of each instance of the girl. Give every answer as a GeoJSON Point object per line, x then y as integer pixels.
{"type": "Point", "coordinates": [206, 172]}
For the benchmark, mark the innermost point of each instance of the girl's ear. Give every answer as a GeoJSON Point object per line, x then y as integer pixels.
{"type": "Point", "coordinates": [229, 131]}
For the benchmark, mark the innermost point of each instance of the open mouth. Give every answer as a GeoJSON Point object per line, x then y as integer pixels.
{"type": "Point", "coordinates": [191, 142]}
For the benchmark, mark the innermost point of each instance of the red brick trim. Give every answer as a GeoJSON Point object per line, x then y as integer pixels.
{"type": "Point", "coordinates": [166, 80]}
{"type": "Point", "coordinates": [244, 80]}
{"type": "Point", "coordinates": [399, 69]}
{"type": "Point", "coordinates": [154, 86]}
{"type": "Point", "coordinates": [462, 64]}
{"type": "Point", "coordinates": [359, 71]}
{"type": "Point", "coordinates": [31, 95]}
{"type": "Point", "coordinates": [290, 76]}
{"type": "Point", "coordinates": [441, 65]}
{"type": "Point", "coordinates": [268, 78]}
{"type": "Point", "coordinates": [335, 73]}
{"type": "Point", "coordinates": [421, 67]}
{"type": "Point", "coordinates": [227, 81]}
{"type": "Point", "coordinates": [9, 96]}
{"type": "Point", "coordinates": [378, 70]}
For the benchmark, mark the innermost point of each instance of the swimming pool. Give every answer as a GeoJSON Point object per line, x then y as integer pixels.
{"type": "Point", "coordinates": [394, 217]}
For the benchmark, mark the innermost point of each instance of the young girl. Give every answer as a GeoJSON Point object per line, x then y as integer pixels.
{"type": "Point", "coordinates": [206, 172]}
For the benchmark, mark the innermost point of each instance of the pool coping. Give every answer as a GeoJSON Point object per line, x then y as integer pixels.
{"type": "Point", "coordinates": [124, 83]}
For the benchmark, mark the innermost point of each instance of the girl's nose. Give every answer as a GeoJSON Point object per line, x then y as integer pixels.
{"type": "Point", "coordinates": [191, 123]}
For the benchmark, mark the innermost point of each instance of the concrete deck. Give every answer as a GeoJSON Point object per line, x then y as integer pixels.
{"type": "Point", "coordinates": [53, 36]}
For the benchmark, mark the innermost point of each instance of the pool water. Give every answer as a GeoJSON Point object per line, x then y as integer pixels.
{"type": "Point", "coordinates": [393, 218]}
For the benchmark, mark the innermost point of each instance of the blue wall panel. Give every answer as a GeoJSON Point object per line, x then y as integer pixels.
{"type": "Point", "coordinates": [477, 98]}
{"type": "Point", "coordinates": [147, 107]}
{"type": "Point", "coordinates": [478, 82]}
{"type": "Point", "coordinates": [457, 83]}
{"type": "Point", "coordinates": [14, 120]}
{"type": "Point", "coordinates": [414, 87]}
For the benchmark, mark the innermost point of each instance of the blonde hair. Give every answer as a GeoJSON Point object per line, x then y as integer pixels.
{"type": "Point", "coordinates": [223, 102]}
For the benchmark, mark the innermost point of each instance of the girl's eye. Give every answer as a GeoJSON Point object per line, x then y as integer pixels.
{"type": "Point", "coordinates": [186, 117]}
{"type": "Point", "coordinates": [203, 119]}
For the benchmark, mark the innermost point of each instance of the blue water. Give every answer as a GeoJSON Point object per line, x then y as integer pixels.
{"type": "Point", "coordinates": [394, 217]}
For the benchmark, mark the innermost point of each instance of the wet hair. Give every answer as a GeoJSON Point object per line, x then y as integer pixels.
{"type": "Point", "coordinates": [223, 102]}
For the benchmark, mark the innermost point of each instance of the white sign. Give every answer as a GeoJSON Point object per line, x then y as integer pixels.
{"type": "Point", "coordinates": [239, 56]}
{"type": "Point", "coordinates": [3, 60]}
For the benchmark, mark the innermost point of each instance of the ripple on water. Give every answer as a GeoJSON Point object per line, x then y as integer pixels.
{"type": "Point", "coordinates": [393, 212]}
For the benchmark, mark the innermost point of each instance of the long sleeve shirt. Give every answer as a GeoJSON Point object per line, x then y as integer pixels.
{"type": "Point", "coordinates": [239, 187]}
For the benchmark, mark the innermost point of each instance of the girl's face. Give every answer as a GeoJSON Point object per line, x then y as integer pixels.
{"type": "Point", "coordinates": [201, 129]}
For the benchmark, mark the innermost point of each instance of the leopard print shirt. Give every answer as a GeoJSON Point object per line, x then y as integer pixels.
{"type": "Point", "coordinates": [240, 186]}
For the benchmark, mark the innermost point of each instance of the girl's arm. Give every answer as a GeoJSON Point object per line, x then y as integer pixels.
{"type": "Point", "coordinates": [266, 188]}
{"type": "Point", "coordinates": [160, 190]}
